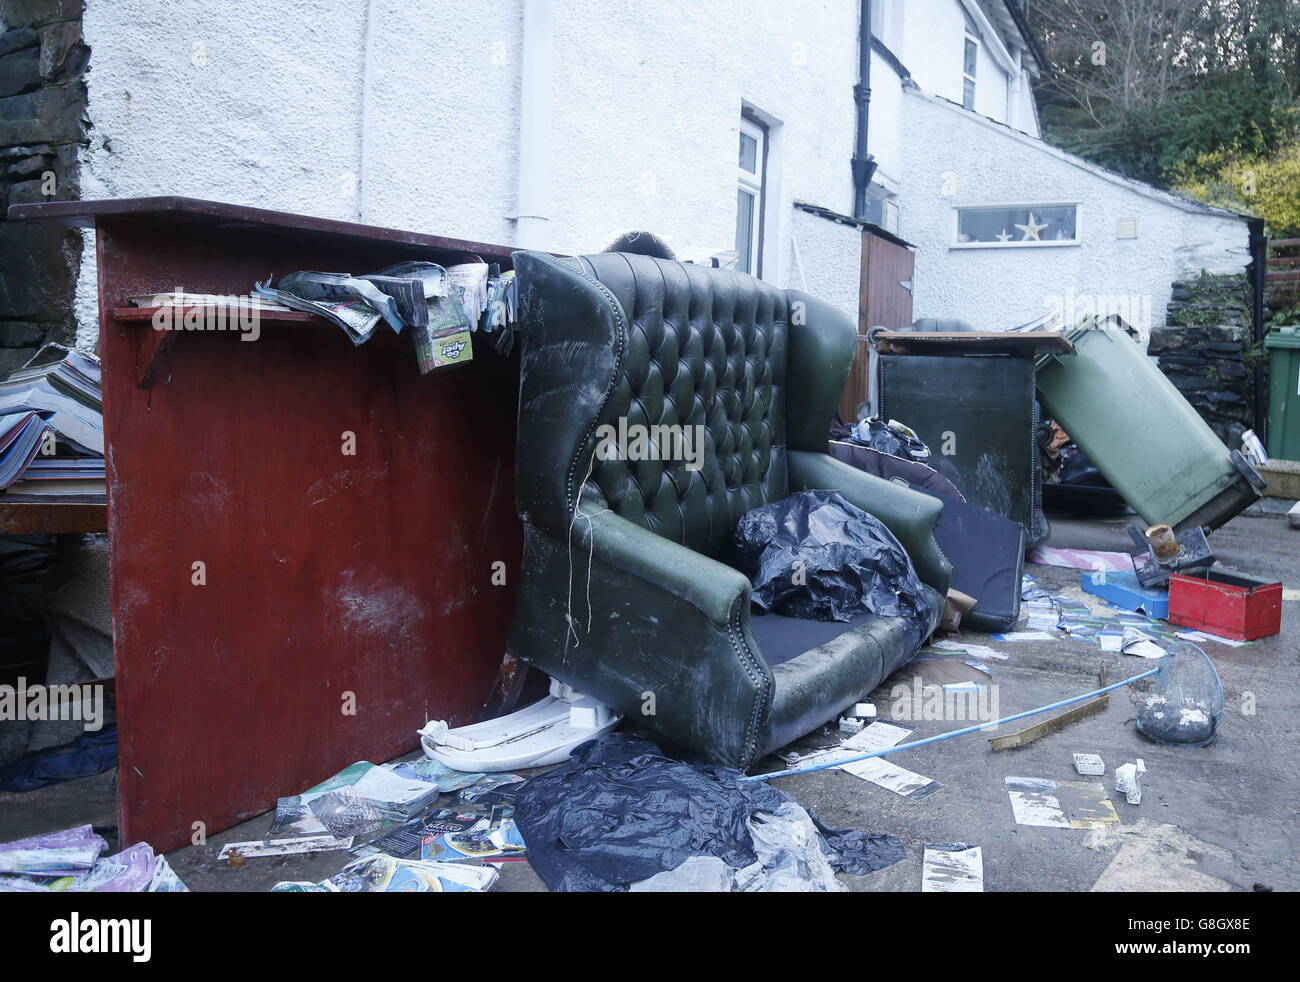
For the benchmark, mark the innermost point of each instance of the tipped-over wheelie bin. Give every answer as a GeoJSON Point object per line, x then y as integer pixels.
{"type": "Point", "coordinates": [1144, 437]}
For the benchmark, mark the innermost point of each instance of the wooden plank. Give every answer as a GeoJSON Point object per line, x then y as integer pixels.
{"type": "Point", "coordinates": [176, 212]}
{"type": "Point", "coordinates": [1054, 725]}
{"type": "Point", "coordinates": [51, 518]}
{"type": "Point", "coordinates": [882, 300]}
{"type": "Point", "coordinates": [972, 342]}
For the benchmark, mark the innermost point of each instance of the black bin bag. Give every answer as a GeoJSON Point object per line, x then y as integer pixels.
{"type": "Point", "coordinates": [816, 556]}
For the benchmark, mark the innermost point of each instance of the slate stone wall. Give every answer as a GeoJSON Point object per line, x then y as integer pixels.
{"type": "Point", "coordinates": [43, 61]}
{"type": "Point", "coordinates": [1204, 348]}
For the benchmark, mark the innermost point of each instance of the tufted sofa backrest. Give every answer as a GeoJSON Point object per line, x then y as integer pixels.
{"type": "Point", "coordinates": [702, 377]}
{"type": "Point", "coordinates": [668, 381]}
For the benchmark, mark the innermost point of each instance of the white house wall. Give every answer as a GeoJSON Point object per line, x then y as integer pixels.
{"type": "Point", "coordinates": [956, 159]}
{"type": "Point", "coordinates": [291, 109]}
{"type": "Point", "coordinates": [406, 114]}
{"type": "Point", "coordinates": [825, 260]}
{"type": "Point", "coordinates": [885, 124]}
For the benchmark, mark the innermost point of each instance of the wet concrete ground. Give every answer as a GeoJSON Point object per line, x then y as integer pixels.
{"type": "Point", "coordinates": [1215, 818]}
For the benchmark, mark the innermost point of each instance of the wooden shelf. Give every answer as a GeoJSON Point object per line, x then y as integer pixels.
{"type": "Point", "coordinates": [273, 316]}
{"type": "Point", "coordinates": [51, 518]}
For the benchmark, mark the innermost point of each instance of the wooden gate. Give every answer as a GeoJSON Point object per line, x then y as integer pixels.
{"type": "Point", "coordinates": [884, 298]}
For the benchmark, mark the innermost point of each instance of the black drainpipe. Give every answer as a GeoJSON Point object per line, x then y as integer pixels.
{"type": "Point", "coordinates": [863, 163]}
{"type": "Point", "coordinates": [1258, 268]}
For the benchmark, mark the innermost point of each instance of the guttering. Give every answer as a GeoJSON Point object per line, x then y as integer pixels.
{"type": "Point", "coordinates": [531, 218]}
{"type": "Point", "coordinates": [863, 164]}
{"type": "Point", "coordinates": [1022, 24]}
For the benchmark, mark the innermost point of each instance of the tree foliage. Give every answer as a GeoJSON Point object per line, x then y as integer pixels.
{"type": "Point", "coordinates": [1267, 186]}
{"type": "Point", "coordinates": [1167, 91]}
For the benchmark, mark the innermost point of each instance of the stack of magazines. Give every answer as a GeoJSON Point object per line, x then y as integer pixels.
{"type": "Point", "coordinates": [441, 306]}
{"type": "Point", "coordinates": [52, 431]}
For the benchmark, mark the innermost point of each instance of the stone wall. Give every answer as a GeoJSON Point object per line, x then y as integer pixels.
{"type": "Point", "coordinates": [43, 125]}
{"type": "Point", "coordinates": [1204, 349]}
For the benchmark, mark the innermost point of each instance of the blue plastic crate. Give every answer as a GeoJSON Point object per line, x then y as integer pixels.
{"type": "Point", "coordinates": [1124, 590]}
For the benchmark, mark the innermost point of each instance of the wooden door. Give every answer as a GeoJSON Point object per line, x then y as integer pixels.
{"type": "Point", "coordinates": [884, 298]}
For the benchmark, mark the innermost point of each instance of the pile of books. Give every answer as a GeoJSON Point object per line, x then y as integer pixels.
{"type": "Point", "coordinates": [52, 432]}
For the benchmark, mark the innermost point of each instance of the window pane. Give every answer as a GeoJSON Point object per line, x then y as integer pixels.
{"type": "Point", "coordinates": [968, 66]}
{"type": "Point", "coordinates": [748, 153]}
{"type": "Point", "coordinates": [744, 230]}
{"type": "Point", "coordinates": [1031, 223]}
{"type": "Point", "coordinates": [968, 94]}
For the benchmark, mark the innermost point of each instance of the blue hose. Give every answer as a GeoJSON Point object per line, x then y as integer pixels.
{"type": "Point", "coordinates": [949, 736]}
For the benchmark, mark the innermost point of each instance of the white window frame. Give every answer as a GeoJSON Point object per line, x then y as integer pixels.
{"type": "Point", "coordinates": [753, 183]}
{"type": "Point", "coordinates": [971, 38]}
{"type": "Point", "coordinates": [1019, 243]}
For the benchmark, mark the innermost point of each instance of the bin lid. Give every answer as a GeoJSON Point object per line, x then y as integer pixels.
{"type": "Point", "coordinates": [1283, 337]}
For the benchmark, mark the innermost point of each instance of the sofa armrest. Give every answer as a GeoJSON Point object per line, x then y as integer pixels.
{"type": "Point", "coordinates": [910, 515]}
{"type": "Point", "coordinates": [646, 618]}
{"type": "Point", "coordinates": [706, 584]}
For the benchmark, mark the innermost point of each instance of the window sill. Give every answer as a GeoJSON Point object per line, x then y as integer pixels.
{"type": "Point", "coordinates": [1052, 244]}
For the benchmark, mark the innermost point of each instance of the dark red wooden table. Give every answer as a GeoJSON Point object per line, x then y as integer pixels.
{"type": "Point", "coordinates": [345, 598]}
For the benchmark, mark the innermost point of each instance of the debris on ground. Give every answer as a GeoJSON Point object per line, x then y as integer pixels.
{"type": "Point", "coordinates": [540, 734]}
{"type": "Point", "coordinates": [72, 861]}
{"type": "Point", "coordinates": [1124, 591]}
{"type": "Point", "coordinates": [1055, 804]}
{"type": "Point", "coordinates": [953, 867]}
{"type": "Point", "coordinates": [1185, 703]}
{"type": "Point", "coordinates": [621, 812]}
{"type": "Point", "coordinates": [1127, 778]}
{"type": "Point", "coordinates": [384, 874]}
{"type": "Point", "coordinates": [1234, 604]}
{"type": "Point", "coordinates": [1134, 642]}
{"type": "Point", "coordinates": [365, 797]}
{"type": "Point", "coordinates": [302, 845]}
{"type": "Point", "coordinates": [1090, 765]}
{"type": "Point", "coordinates": [1054, 724]}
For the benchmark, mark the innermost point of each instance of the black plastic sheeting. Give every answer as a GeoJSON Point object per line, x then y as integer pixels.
{"type": "Point", "coordinates": [620, 812]}
{"type": "Point", "coordinates": [814, 555]}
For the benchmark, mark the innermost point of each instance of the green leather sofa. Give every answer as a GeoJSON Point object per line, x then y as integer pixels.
{"type": "Point", "coordinates": [625, 592]}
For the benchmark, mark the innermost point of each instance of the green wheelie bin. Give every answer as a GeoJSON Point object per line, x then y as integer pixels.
{"type": "Point", "coordinates": [1144, 437]}
{"type": "Point", "coordinates": [1283, 345]}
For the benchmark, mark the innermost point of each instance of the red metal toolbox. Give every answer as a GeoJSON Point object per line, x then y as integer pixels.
{"type": "Point", "coordinates": [1231, 605]}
